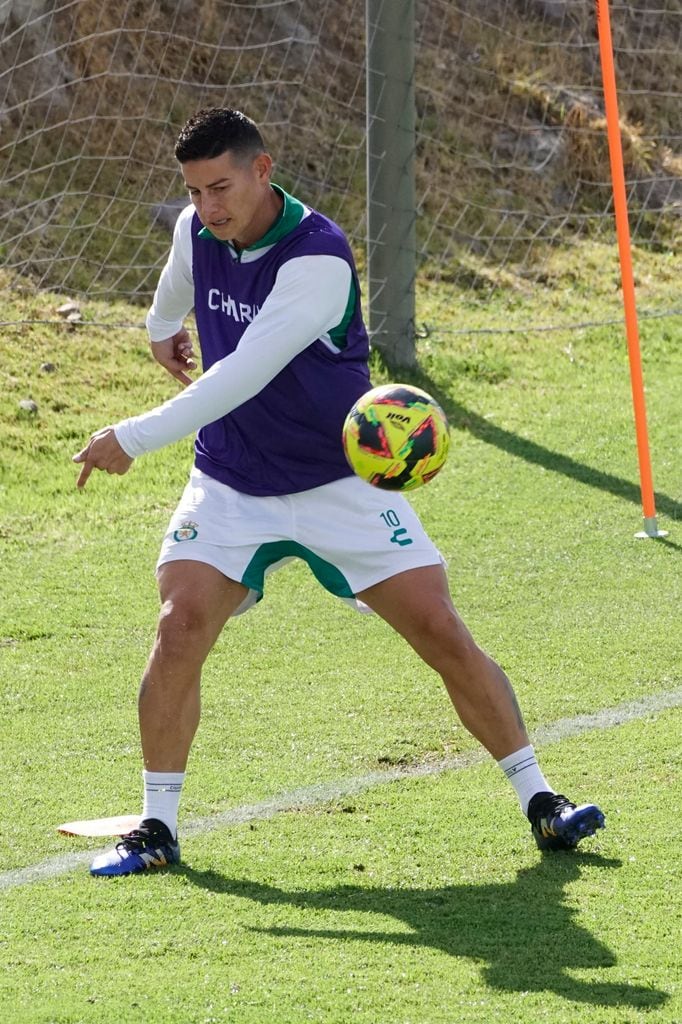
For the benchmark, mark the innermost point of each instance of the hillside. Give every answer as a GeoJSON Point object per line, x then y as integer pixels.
{"type": "Point", "coordinates": [512, 159]}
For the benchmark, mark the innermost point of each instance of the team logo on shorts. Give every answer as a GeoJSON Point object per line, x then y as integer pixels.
{"type": "Point", "coordinates": [186, 531]}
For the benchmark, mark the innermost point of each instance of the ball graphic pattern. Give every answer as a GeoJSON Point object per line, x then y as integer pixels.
{"type": "Point", "coordinates": [396, 437]}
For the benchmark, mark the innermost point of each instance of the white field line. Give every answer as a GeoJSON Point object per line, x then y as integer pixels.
{"type": "Point", "coordinates": [324, 792]}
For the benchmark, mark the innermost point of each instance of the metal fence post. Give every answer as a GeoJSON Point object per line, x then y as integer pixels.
{"type": "Point", "coordinates": [391, 199]}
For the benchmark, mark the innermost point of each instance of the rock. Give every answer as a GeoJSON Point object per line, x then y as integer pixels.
{"type": "Point", "coordinates": [29, 406]}
{"type": "Point", "coordinates": [554, 11]}
{"type": "Point", "coordinates": [535, 147]}
{"type": "Point", "coordinates": [40, 72]}
{"type": "Point", "coordinates": [660, 192]}
{"type": "Point", "coordinates": [68, 308]}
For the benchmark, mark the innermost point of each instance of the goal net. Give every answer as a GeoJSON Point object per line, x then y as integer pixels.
{"type": "Point", "coordinates": [512, 160]}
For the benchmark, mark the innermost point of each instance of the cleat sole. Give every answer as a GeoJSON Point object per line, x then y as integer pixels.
{"type": "Point", "coordinates": [115, 865]}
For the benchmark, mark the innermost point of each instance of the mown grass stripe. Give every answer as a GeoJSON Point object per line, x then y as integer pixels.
{"type": "Point", "coordinates": [324, 792]}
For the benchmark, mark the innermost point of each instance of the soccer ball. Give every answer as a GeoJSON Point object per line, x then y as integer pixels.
{"type": "Point", "coordinates": [396, 437]}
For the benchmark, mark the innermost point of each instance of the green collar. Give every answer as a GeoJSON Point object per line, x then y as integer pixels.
{"type": "Point", "coordinates": [290, 216]}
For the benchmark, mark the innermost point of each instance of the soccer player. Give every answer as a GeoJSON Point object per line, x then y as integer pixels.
{"type": "Point", "coordinates": [284, 350]}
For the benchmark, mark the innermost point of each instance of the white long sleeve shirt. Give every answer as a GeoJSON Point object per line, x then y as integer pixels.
{"type": "Point", "coordinates": [310, 300]}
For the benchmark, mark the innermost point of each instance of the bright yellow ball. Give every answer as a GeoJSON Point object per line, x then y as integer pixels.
{"type": "Point", "coordinates": [396, 437]}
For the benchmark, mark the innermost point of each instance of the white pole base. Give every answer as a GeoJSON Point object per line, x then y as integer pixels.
{"type": "Point", "coordinates": [650, 529]}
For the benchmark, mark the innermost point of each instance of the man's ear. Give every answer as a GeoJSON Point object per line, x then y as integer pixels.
{"type": "Point", "coordinates": [262, 165]}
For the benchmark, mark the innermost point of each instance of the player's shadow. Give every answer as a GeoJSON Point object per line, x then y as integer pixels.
{"type": "Point", "coordinates": [524, 933]}
{"type": "Point", "coordinates": [462, 418]}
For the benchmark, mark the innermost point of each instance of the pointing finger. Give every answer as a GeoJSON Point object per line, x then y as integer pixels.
{"type": "Point", "coordinates": [84, 474]}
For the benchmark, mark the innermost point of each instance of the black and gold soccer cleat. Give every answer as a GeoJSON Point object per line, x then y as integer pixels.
{"type": "Point", "coordinates": [557, 824]}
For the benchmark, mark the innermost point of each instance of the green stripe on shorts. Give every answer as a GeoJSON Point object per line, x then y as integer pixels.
{"type": "Point", "coordinates": [268, 554]}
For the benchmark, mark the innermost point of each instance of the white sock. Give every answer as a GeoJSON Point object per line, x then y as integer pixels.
{"type": "Point", "coordinates": [162, 797]}
{"type": "Point", "coordinates": [523, 772]}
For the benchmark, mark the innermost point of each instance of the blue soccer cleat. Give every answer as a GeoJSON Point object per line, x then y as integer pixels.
{"type": "Point", "coordinates": [148, 846]}
{"type": "Point", "coordinates": [557, 824]}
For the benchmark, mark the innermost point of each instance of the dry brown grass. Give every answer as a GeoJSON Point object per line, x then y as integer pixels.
{"type": "Point", "coordinates": [510, 122]}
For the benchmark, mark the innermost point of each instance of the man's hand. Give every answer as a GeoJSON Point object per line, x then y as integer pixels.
{"type": "Point", "coordinates": [102, 452]}
{"type": "Point", "coordinates": [176, 355]}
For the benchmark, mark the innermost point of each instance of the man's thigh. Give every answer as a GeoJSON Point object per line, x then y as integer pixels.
{"type": "Point", "coordinates": [417, 604]}
{"type": "Point", "coordinates": [199, 596]}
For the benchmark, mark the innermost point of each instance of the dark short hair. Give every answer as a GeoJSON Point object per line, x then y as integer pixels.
{"type": "Point", "coordinates": [216, 130]}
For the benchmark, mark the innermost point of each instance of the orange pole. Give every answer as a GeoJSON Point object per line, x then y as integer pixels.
{"type": "Point", "coordinates": [627, 277]}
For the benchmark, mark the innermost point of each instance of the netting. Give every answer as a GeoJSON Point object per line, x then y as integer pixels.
{"type": "Point", "coordinates": [93, 96]}
{"type": "Point", "coordinates": [512, 161]}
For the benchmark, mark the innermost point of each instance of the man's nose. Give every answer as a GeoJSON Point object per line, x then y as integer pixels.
{"type": "Point", "coordinates": [209, 207]}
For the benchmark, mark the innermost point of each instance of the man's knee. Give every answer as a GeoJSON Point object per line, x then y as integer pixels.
{"type": "Point", "coordinates": [184, 627]}
{"type": "Point", "coordinates": [443, 639]}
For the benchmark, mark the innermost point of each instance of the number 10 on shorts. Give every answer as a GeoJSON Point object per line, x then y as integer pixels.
{"type": "Point", "coordinates": [399, 532]}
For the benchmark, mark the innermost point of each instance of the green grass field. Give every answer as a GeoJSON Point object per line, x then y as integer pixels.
{"type": "Point", "coordinates": [417, 901]}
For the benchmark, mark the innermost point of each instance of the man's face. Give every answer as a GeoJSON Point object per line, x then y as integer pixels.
{"type": "Point", "coordinates": [232, 195]}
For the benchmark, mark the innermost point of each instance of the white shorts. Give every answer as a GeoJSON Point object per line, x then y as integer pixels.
{"type": "Point", "coordinates": [352, 535]}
